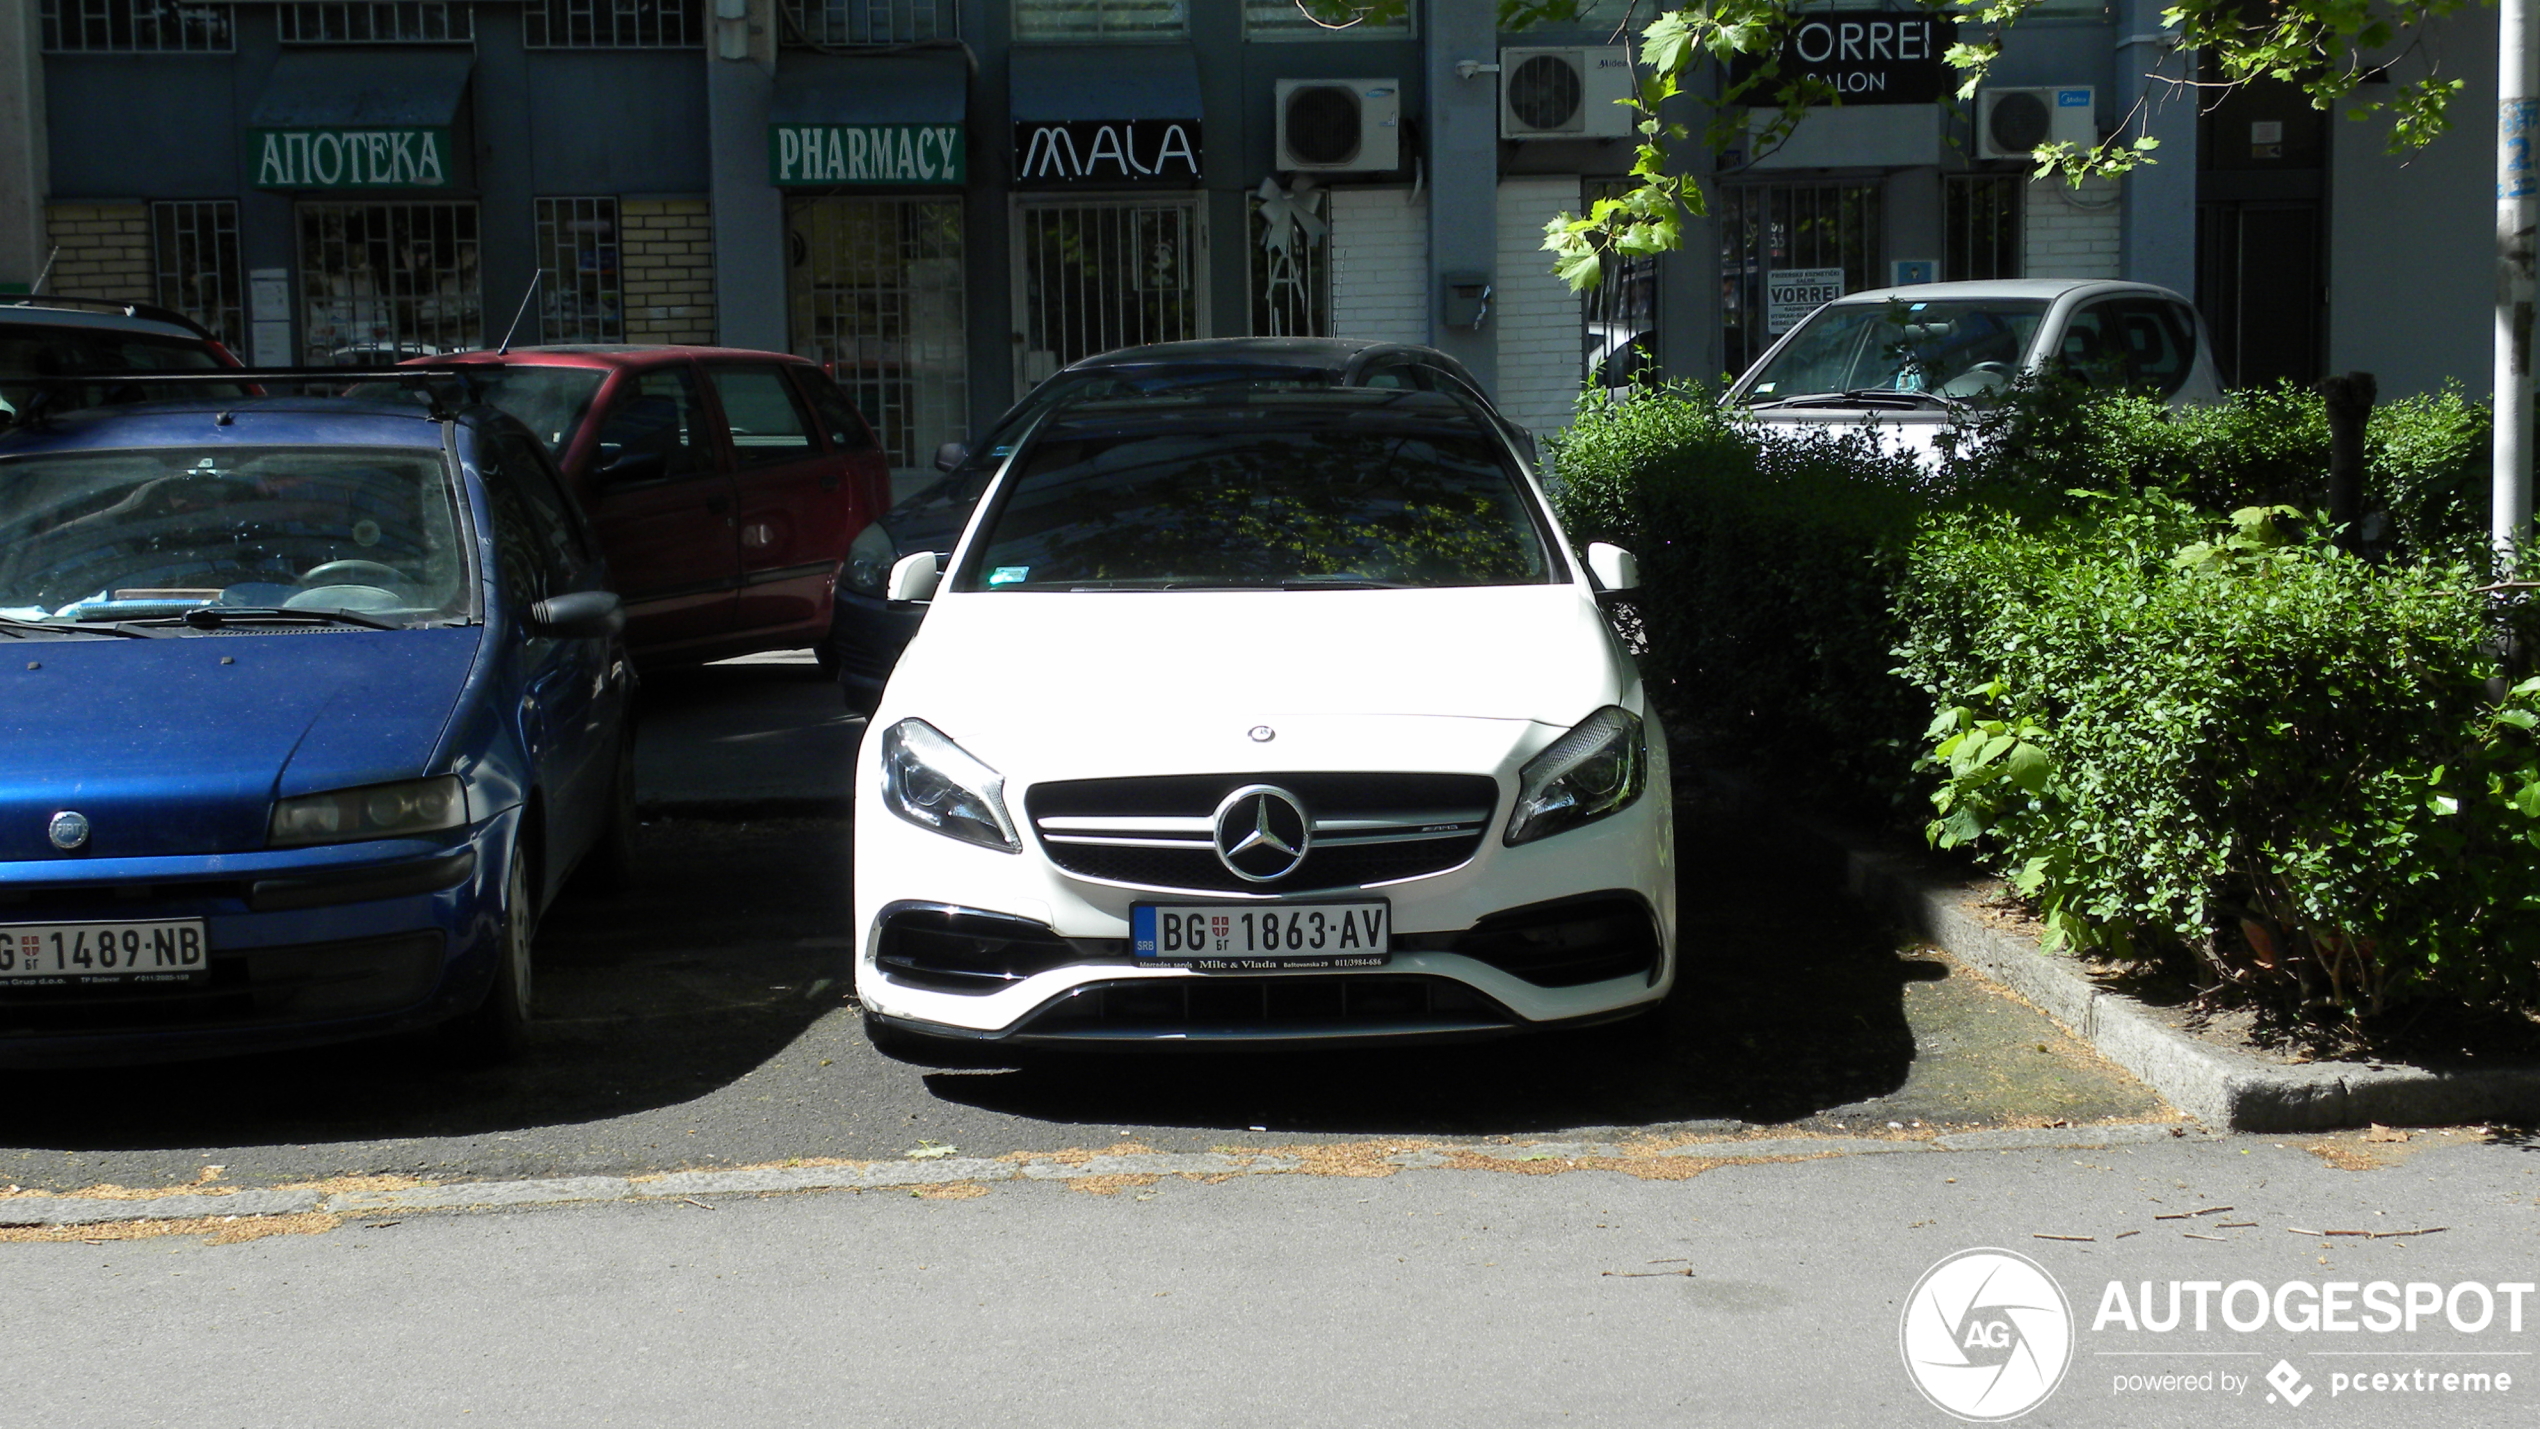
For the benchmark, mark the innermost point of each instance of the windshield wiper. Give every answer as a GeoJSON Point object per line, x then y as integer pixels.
{"type": "Point", "coordinates": [20, 629]}
{"type": "Point", "coordinates": [1340, 583]}
{"type": "Point", "coordinates": [1861, 397]}
{"type": "Point", "coordinates": [213, 617]}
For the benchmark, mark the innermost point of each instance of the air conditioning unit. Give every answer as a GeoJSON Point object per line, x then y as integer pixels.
{"type": "Point", "coordinates": [1339, 126]}
{"type": "Point", "coordinates": [1565, 93]}
{"type": "Point", "coordinates": [2011, 123]}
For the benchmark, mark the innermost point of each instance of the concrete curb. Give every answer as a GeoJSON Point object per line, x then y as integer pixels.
{"type": "Point", "coordinates": [2215, 1085]}
{"type": "Point", "coordinates": [911, 1174]}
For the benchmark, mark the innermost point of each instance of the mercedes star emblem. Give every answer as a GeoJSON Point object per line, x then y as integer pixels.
{"type": "Point", "coordinates": [1262, 833]}
{"type": "Point", "coordinates": [1262, 734]}
{"type": "Point", "coordinates": [69, 830]}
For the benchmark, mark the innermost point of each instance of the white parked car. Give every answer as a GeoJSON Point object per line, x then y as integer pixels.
{"type": "Point", "coordinates": [1907, 361]}
{"type": "Point", "coordinates": [1282, 717]}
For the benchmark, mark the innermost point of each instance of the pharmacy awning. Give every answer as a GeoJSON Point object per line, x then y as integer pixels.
{"type": "Point", "coordinates": [860, 121]}
{"type": "Point", "coordinates": [339, 119]}
{"type": "Point", "coordinates": [1102, 115]}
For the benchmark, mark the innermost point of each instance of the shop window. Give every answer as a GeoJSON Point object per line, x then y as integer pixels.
{"type": "Point", "coordinates": [580, 299]}
{"type": "Point", "coordinates": [1983, 219]}
{"type": "Point", "coordinates": [1101, 20]}
{"type": "Point", "coordinates": [848, 24]}
{"type": "Point", "coordinates": [1619, 316]}
{"type": "Point", "coordinates": [382, 282]}
{"type": "Point", "coordinates": [613, 24]}
{"type": "Point", "coordinates": [1320, 20]}
{"type": "Point", "coordinates": [194, 251]}
{"type": "Point", "coordinates": [1774, 228]}
{"type": "Point", "coordinates": [1291, 265]}
{"type": "Point", "coordinates": [876, 293]}
{"type": "Point", "coordinates": [1101, 275]}
{"type": "Point", "coordinates": [377, 22]}
{"type": "Point", "coordinates": [135, 27]}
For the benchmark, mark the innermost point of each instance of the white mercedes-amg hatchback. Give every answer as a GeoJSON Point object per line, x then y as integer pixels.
{"type": "Point", "coordinates": [1275, 718]}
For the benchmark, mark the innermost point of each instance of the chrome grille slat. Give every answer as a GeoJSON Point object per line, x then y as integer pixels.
{"type": "Point", "coordinates": [1159, 831]}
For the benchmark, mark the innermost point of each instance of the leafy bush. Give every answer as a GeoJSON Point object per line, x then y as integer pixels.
{"type": "Point", "coordinates": [2176, 730]}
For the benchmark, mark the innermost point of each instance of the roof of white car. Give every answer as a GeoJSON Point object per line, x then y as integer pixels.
{"type": "Point", "coordinates": [2031, 289]}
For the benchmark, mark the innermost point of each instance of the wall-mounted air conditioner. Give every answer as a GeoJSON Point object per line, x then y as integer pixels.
{"type": "Point", "coordinates": [2011, 123]}
{"type": "Point", "coordinates": [1565, 93]}
{"type": "Point", "coordinates": [1331, 126]}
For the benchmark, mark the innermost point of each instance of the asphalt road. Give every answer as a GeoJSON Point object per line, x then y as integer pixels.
{"type": "Point", "coordinates": [703, 1021]}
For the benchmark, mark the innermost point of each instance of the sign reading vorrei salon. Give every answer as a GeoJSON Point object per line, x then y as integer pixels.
{"type": "Point", "coordinates": [350, 158]}
{"type": "Point", "coordinates": [820, 155]}
{"type": "Point", "coordinates": [1867, 56]}
{"type": "Point", "coordinates": [1107, 151]}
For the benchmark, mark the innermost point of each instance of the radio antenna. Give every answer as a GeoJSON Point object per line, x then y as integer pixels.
{"type": "Point", "coordinates": [524, 312]}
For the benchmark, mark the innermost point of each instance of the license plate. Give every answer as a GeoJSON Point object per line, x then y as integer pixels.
{"type": "Point", "coordinates": [61, 954]}
{"type": "Point", "coordinates": [1252, 937]}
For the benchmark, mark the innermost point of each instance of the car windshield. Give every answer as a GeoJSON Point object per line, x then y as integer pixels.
{"type": "Point", "coordinates": [37, 357]}
{"type": "Point", "coordinates": [1957, 348]}
{"type": "Point", "coordinates": [1333, 506]}
{"type": "Point", "coordinates": [137, 534]}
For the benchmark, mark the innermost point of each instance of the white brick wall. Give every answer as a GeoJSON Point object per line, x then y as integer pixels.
{"type": "Point", "coordinates": [1535, 312]}
{"type": "Point", "coordinates": [2071, 233]}
{"type": "Point", "coordinates": [1380, 265]}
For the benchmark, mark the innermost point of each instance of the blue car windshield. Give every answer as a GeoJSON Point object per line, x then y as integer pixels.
{"type": "Point", "coordinates": [156, 532]}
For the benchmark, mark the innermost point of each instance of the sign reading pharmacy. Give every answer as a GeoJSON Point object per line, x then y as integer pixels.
{"type": "Point", "coordinates": [350, 158]}
{"type": "Point", "coordinates": [820, 155]}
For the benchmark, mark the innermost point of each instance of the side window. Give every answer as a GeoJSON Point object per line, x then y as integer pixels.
{"type": "Point", "coordinates": [768, 421]}
{"type": "Point", "coordinates": [2159, 343]}
{"type": "Point", "coordinates": [2089, 348]}
{"type": "Point", "coordinates": [657, 416]}
{"type": "Point", "coordinates": [557, 521]}
{"type": "Point", "coordinates": [1398, 377]}
{"type": "Point", "coordinates": [838, 417]}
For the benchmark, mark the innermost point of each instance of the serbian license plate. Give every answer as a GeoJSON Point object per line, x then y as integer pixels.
{"type": "Point", "coordinates": [63, 954]}
{"type": "Point", "coordinates": [1256, 937]}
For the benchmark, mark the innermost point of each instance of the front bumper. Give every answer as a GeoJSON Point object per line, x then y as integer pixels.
{"type": "Point", "coordinates": [306, 946]}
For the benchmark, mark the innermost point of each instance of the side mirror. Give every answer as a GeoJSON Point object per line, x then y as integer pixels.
{"type": "Point", "coordinates": [914, 578]}
{"type": "Point", "coordinates": [579, 615]}
{"type": "Point", "coordinates": [633, 466]}
{"type": "Point", "coordinates": [949, 455]}
{"type": "Point", "coordinates": [1615, 570]}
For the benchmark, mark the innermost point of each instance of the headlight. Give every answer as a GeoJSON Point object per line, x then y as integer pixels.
{"type": "Point", "coordinates": [1595, 770]}
{"type": "Point", "coordinates": [869, 559]}
{"type": "Point", "coordinates": [936, 784]}
{"type": "Point", "coordinates": [377, 811]}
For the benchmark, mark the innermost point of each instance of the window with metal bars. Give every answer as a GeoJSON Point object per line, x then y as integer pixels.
{"type": "Point", "coordinates": [1095, 276]}
{"type": "Point", "coordinates": [847, 24]}
{"type": "Point", "coordinates": [1292, 266]}
{"type": "Point", "coordinates": [377, 22]}
{"type": "Point", "coordinates": [194, 258]}
{"type": "Point", "coordinates": [136, 27]}
{"type": "Point", "coordinates": [875, 291]}
{"type": "Point", "coordinates": [382, 282]}
{"type": "Point", "coordinates": [1619, 316]}
{"type": "Point", "coordinates": [1770, 228]}
{"type": "Point", "coordinates": [613, 24]}
{"type": "Point", "coordinates": [1320, 20]}
{"type": "Point", "coordinates": [579, 296]}
{"type": "Point", "coordinates": [1101, 20]}
{"type": "Point", "coordinates": [1983, 217]}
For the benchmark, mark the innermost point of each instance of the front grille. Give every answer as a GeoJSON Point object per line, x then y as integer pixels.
{"type": "Point", "coordinates": [1367, 828]}
{"type": "Point", "coordinates": [965, 951]}
{"type": "Point", "coordinates": [1293, 1004]}
{"type": "Point", "coordinates": [248, 987]}
{"type": "Point", "coordinates": [71, 902]}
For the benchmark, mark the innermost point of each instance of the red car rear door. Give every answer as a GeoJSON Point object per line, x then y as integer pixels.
{"type": "Point", "coordinates": [794, 502]}
{"type": "Point", "coordinates": [662, 504]}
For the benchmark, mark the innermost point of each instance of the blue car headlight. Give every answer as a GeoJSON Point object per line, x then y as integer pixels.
{"type": "Point", "coordinates": [374, 811]}
{"type": "Point", "coordinates": [1595, 770]}
{"type": "Point", "coordinates": [936, 784]}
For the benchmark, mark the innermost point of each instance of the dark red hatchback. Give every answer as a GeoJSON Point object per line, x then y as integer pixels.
{"type": "Point", "coordinates": [725, 485]}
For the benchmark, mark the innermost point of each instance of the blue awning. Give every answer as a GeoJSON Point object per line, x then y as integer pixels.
{"type": "Point", "coordinates": [1058, 84]}
{"type": "Point", "coordinates": [343, 89]}
{"type": "Point", "coordinates": [878, 89]}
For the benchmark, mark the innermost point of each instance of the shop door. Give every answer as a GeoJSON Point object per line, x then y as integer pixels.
{"type": "Point", "coordinates": [1090, 277]}
{"type": "Point", "coordinates": [1769, 228]}
{"type": "Point", "coordinates": [875, 290]}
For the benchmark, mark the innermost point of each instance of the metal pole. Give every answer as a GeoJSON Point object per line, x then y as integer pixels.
{"type": "Point", "coordinates": [2517, 214]}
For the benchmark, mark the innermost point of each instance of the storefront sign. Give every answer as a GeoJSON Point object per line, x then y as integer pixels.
{"type": "Point", "coordinates": [1791, 294]}
{"type": "Point", "coordinates": [824, 155]}
{"type": "Point", "coordinates": [1867, 56]}
{"type": "Point", "coordinates": [350, 158]}
{"type": "Point", "coordinates": [1089, 151]}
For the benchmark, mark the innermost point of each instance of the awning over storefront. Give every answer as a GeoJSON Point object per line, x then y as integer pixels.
{"type": "Point", "coordinates": [854, 120]}
{"type": "Point", "coordinates": [334, 119]}
{"type": "Point", "coordinates": [1105, 114]}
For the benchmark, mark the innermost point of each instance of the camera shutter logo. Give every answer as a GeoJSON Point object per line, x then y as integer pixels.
{"type": "Point", "coordinates": [1987, 1335]}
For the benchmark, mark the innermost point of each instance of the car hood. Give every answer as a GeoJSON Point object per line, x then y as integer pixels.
{"type": "Point", "coordinates": [1917, 432]}
{"type": "Point", "coordinates": [1028, 667]}
{"type": "Point", "coordinates": [180, 746]}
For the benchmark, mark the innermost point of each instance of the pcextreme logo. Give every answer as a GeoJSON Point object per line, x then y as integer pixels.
{"type": "Point", "coordinates": [1987, 1335]}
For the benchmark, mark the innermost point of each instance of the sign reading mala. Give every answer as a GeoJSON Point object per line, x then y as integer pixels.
{"type": "Point", "coordinates": [1287, 217]}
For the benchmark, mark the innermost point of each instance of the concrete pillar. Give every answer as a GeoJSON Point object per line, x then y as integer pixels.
{"type": "Point", "coordinates": [2158, 241]}
{"type": "Point", "coordinates": [749, 212]}
{"type": "Point", "coordinates": [24, 177]}
{"type": "Point", "coordinates": [1462, 139]}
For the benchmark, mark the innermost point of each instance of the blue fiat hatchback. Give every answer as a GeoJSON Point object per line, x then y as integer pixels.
{"type": "Point", "coordinates": [307, 706]}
